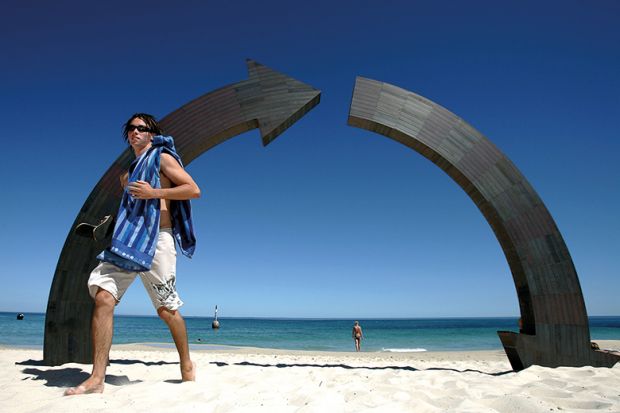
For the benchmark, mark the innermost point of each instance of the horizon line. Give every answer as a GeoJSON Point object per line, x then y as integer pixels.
{"type": "Point", "coordinates": [310, 317]}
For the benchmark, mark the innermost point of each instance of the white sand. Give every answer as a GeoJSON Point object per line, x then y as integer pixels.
{"type": "Point", "coordinates": [146, 379]}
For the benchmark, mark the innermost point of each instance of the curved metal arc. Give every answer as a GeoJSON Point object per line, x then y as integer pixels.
{"type": "Point", "coordinates": [555, 322]}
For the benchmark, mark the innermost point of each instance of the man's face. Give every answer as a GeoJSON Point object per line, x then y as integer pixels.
{"type": "Point", "coordinates": [139, 139]}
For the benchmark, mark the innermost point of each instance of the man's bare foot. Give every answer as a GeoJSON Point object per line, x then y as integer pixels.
{"type": "Point", "coordinates": [88, 387]}
{"type": "Point", "coordinates": [189, 374]}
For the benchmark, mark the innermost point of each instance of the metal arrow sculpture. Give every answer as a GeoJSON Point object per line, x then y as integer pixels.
{"type": "Point", "coordinates": [555, 328]}
{"type": "Point", "coordinates": [268, 100]}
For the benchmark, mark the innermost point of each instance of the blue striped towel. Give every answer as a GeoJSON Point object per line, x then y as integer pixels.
{"type": "Point", "coordinates": [137, 224]}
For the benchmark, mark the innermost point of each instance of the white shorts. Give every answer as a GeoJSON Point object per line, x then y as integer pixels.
{"type": "Point", "coordinates": [159, 281]}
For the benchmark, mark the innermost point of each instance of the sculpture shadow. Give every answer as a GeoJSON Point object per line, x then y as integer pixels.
{"type": "Point", "coordinates": [32, 362]}
{"type": "Point", "coordinates": [146, 363]}
{"type": "Point", "coordinates": [345, 366]}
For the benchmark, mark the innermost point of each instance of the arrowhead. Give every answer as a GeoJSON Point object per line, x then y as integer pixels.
{"type": "Point", "coordinates": [283, 101]}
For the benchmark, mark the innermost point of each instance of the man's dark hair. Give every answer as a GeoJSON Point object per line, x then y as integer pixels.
{"type": "Point", "coordinates": [150, 121]}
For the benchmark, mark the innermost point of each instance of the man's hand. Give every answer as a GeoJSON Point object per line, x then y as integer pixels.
{"type": "Point", "coordinates": [141, 190]}
{"type": "Point", "coordinates": [183, 187]}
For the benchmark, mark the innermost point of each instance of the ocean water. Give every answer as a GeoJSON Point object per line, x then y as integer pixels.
{"type": "Point", "coordinates": [424, 334]}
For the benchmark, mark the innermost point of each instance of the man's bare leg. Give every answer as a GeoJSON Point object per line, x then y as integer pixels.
{"type": "Point", "coordinates": [176, 324]}
{"type": "Point", "coordinates": [102, 329]}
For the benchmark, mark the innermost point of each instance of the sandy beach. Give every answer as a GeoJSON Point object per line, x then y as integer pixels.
{"type": "Point", "coordinates": [145, 378]}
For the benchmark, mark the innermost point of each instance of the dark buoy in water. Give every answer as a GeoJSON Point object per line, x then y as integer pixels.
{"type": "Point", "coordinates": [215, 324]}
{"type": "Point", "coordinates": [20, 316]}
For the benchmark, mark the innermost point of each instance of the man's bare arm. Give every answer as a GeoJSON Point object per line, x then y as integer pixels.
{"type": "Point", "coordinates": [124, 180]}
{"type": "Point", "coordinates": [184, 186]}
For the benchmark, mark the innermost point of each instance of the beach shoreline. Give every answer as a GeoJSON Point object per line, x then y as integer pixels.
{"type": "Point", "coordinates": [612, 345]}
{"type": "Point", "coordinates": [145, 377]}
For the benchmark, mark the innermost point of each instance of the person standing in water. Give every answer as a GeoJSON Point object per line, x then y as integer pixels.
{"type": "Point", "coordinates": [357, 335]}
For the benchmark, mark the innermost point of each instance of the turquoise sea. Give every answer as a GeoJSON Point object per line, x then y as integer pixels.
{"type": "Point", "coordinates": [423, 334]}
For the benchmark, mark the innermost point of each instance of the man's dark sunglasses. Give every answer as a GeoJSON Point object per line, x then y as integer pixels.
{"type": "Point", "coordinates": [140, 128]}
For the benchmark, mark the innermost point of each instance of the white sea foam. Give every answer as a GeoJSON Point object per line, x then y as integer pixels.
{"type": "Point", "coordinates": [404, 350]}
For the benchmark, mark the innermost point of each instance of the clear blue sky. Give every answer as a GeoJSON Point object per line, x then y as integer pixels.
{"type": "Point", "coordinates": [328, 220]}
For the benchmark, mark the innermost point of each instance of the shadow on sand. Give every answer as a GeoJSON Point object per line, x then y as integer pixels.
{"type": "Point", "coordinates": [113, 361]}
{"type": "Point", "coordinates": [345, 366]}
{"type": "Point", "coordinates": [71, 376]}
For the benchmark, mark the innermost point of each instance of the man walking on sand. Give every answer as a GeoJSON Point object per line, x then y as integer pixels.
{"type": "Point", "coordinates": [154, 212]}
